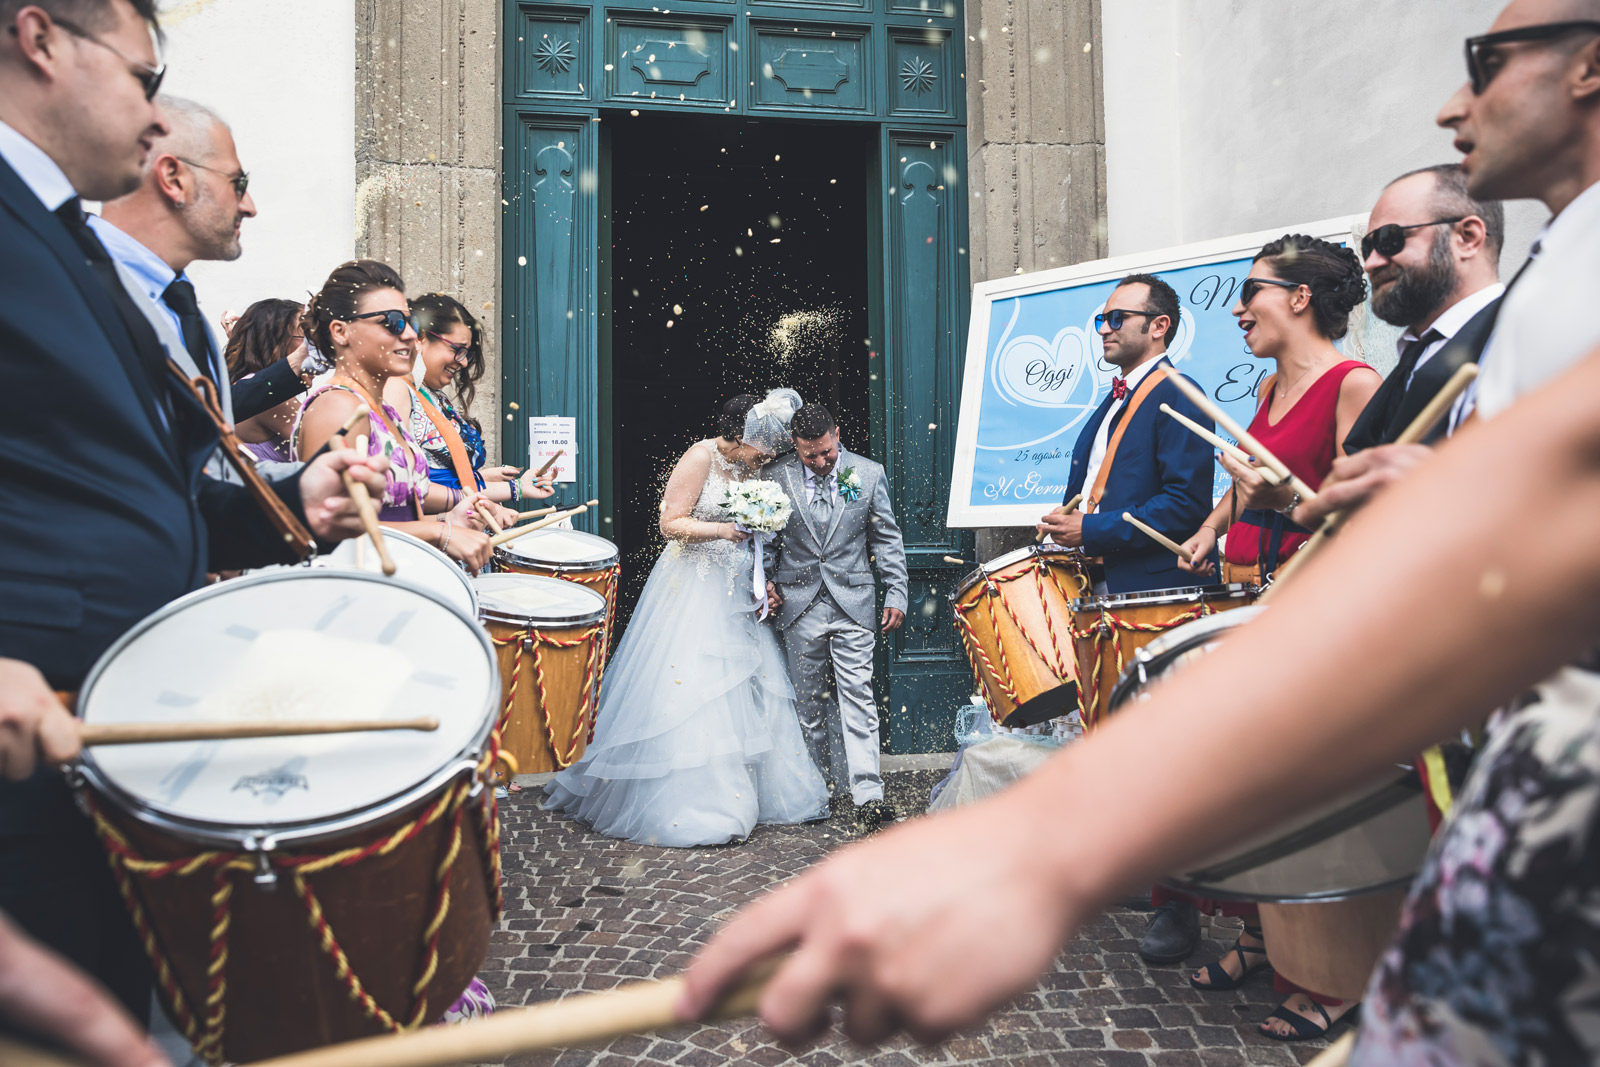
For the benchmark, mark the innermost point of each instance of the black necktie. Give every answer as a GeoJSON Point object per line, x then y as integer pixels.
{"type": "Point", "coordinates": [146, 345]}
{"type": "Point", "coordinates": [180, 298]}
{"type": "Point", "coordinates": [1400, 380]}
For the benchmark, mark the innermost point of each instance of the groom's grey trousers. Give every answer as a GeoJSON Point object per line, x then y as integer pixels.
{"type": "Point", "coordinates": [825, 646]}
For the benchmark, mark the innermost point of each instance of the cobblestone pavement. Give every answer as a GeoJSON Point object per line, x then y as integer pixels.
{"type": "Point", "coordinates": [585, 913]}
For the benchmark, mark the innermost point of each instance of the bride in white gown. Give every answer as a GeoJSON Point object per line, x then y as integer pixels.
{"type": "Point", "coordinates": [697, 739]}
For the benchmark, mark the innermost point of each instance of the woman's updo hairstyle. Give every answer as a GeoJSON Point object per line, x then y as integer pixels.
{"type": "Point", "coordinates": [436, 313]}
{"type": "Point", "coordinates": [730, 423]}
{"type": "Point", "coordinates": [261, 337]}
{"type": "Point", "coordinates": [1332, 272]}
{"type": "Point", "coordinates": [340, 298]}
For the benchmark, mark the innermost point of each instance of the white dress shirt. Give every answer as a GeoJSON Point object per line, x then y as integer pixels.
{"type": "Point", "coordinates": [153, 273]}
{"type": "Point", "coordinates": [1448, 324]}
{"type": "Point", "coordinates": [1102, 436]}
{"type": "Point", "coordinates": [37, 170]}
{"type": "Point", "coordinates": [1546, 324]}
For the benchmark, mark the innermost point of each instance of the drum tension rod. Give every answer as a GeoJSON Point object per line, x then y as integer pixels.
{"type": "Point", "coordinates": [266, 878]}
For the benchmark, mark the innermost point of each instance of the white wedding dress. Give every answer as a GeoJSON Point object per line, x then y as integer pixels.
{"type": "Point", "coordinates": [697, 739]}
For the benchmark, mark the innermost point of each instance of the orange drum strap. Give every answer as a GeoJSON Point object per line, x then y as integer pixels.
{"type": "Point", "coordinates": [452, 442]}
{"type": "Point", "coordinates": [525, 640]}
{"type": "Point", "coordinates": [1151, 380]}
{"type": "Point", "coordinates": [207, 1036]}
{"type": "Point", "coordinates": [1103, 632]}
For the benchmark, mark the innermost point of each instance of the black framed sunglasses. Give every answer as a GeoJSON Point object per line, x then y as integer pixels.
{"type": "Point", "coordinates": [396, 322]}
{"type": "Point", "coordinates": [1117, 316]}
{"type": "Point", "coordinates": [1481, 54]}
{"type": "Point", "coordinates": [1251, 286]}
{"type": "Point", "coordinates": [149, 77]}
{"type": "Point", "coordinates": [240, 181]}
{"type": "Point", "coordinates": [459, 352]}
{"type": "Point", "coordinates": [1390, 238]}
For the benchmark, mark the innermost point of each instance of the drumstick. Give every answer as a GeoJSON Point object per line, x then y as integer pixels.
{"type": "Point", "coordinates": [551, 462]}
{"type": "Point", "coordinates": [137, 733]}
{"type": "Point", "coordinates": [1160, 538]}
{"type": "Point", "coordinates": [1243, 436]}
{"type": "Point", "coordinates": [585, 1019]}
{"type": "Point", "coordinates": [15, 1054]}
{"type": "Point", "coordinates": [488, 514]}
{"type": "Point", "coordinates": [511, 535]}
{"type": "Point", "coordinates": [953, 559]}
{"type": "Point", "coordinates": [535, 513]}
{"type": "Point", "coordinates": [1268, 475]}
{"type": "Point", "coordinates": [363, 500]}
{"type": "Point", "coordinates": [1419, 428]}
{"type": "Point", "coordinates": [1064, 509]}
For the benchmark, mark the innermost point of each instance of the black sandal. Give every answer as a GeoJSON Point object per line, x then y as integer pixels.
{"type": "Point", "coordinates": [1305, 1029]}
{"type": "Point", "coordinates": [1219, 979]}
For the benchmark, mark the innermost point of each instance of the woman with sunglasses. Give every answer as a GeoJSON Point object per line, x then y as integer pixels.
{"type": "Point", "coordinates": [450, 352]}
{"type": "Point", "coordinates": [1294, 304]}
{"type": "Point", "coordinates": [361, 321]}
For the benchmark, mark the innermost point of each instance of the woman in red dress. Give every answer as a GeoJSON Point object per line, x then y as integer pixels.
{"type": "Point", "coordinates": [1293, 306]}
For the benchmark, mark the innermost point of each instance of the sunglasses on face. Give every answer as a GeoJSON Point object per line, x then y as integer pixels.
{"type": "Point", "coordinates": [396, 322]}
{"type": "Point", "coordinates": [240, 181]}
{"type": "Point", "coordinates": [149, 77]}
{"type": "Point", "coordinates": [458, 352]}
{"type": "Point", "coordinates": [1251, 286]}
{"type": "Point", "coordinates": [1117, 316]}
{"type": "Point", "coordinates": [1484, 59]}
{"type": "Point", "coordinates": [1390, 238]}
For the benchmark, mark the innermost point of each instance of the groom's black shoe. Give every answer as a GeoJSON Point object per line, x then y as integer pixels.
{"type": "Point", "coordinates": [1173, 933]}
{"type": "Point", "coordinates": [875, 815]}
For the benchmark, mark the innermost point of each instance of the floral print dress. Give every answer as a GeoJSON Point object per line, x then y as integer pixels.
{"type": "Point", "coordinates": [406, 483]}
{"type": "Point", "coordinates": [1497, 958]}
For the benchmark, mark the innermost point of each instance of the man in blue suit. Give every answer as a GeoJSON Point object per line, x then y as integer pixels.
{"type": "Point", "coordinates": [1132, 457]}
{"type": "Point", "coordinates": [104, 512]}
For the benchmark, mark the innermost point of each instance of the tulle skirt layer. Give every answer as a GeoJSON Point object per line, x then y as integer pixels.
{"type": "Point", "coordinates": [697, 739]}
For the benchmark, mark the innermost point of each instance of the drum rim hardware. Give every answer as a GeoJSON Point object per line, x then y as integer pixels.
{"type": "Point", "coordinates": [488, 611]}
{"type": "Point", "coordinates": [1185, 594]}
{"type": "Point", "coordinates": [983, 571]}
{"type": "Point", "coordinates": [510, 552]}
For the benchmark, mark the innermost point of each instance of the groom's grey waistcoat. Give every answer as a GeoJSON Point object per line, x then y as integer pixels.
{"type": "Point", "coordinates": [807, 559]}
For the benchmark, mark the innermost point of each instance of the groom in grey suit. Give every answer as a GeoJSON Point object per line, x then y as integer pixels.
{"type": "Point", "coordinates": [822, 587]}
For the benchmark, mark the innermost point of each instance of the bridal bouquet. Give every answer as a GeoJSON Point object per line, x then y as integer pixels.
{"type": "Point", "coordinates": [758, 506]}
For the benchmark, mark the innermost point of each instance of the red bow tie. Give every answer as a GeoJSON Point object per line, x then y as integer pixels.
{"type": "Point", "coordinates": [1119, 388]}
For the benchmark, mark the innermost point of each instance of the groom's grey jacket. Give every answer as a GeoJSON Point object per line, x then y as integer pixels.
{"type": "Point", "coordinates": [807, 559]}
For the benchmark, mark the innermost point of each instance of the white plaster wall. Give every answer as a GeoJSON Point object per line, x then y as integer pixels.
{"type": "Point", "coordinates": [1227, 116]}
{"type": "Point", "coordinates": [282, 74]}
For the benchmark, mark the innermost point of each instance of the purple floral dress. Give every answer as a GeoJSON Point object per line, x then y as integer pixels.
{"type": "Point", "coordinates": [1497, 958]}
{"type": "Point", "coordinates": [407, 480]}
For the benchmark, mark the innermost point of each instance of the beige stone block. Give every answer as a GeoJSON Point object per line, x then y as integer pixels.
{"type": "Point", "coordinates": [481, 70]}
{"type": "Point", "coordinates": [1061, 199]}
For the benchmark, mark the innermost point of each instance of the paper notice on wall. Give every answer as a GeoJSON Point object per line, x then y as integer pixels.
{"type": "Point", "coordinates": [548, 436]}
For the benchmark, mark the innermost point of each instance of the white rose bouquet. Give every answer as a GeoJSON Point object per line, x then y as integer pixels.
{"type": "Point", "coordinates": [760, 508]}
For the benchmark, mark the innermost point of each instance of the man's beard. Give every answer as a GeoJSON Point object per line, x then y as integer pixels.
{"type": "Point", "coordinates": [1418, 291]}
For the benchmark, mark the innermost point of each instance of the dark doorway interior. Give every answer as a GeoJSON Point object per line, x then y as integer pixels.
{"type": "Point", "coordinates": [739, 260]}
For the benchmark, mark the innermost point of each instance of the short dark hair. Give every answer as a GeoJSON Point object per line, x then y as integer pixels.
{"type": "Point", "coordinates": [91, 15]}
{"type": "Point", "coordinates": [1163, 300]}
{"type": "Point", "coordinates": [730, 420]}
{"type": "Point", "coordinates": [1332, 272]}
{"type": "Point", "coordinates": [1451, 198]}
{"type": "Point", "coordinates": [437, 312]}
{"type": "Point", "coordinates": [811, 422]}
{"type": "Point", "coordinates": [261, 336]}
{"type": "Point", "coordinates": [340, 298]}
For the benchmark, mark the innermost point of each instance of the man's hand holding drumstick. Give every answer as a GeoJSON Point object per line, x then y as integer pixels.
{"type": "Point", "coordinates": [1064, 525]}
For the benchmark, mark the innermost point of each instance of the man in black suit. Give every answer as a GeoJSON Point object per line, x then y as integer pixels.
{"type": "Point", "coordinates": [1433, 254]}
{"type": "Point", "coordinates": [104, 511]}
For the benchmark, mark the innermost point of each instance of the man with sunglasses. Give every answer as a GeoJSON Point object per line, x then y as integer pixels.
{"type": "Point", "coordinates": [1129, 457]}
{"type": "Point", "coordinates": [104, 512]}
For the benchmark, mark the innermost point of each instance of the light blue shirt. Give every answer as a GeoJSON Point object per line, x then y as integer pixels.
{"type": "Point", "coordinates": [37, 170]}
{"type": "Point", "coordinates": [153, 273]}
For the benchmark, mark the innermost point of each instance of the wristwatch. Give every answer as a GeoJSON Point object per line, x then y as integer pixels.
{"type": "Point", "coordinates": [1287, 511]}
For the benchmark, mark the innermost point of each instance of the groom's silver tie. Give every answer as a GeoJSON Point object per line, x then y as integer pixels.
{"type": "Point", "coordinates": [822, 495]}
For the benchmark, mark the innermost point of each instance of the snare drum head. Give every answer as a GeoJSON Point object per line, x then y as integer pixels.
{"type": "Point", "coordinates": [415, 561]}
{"type": "Point", "coordinates": [289, 645]}
{"type": "Point", "coordinates": [562, 549]}
{"type": "Point", "coordinates": [534, 600]}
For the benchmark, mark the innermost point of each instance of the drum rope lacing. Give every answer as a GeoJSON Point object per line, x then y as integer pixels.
{"type": "Point", "coordinates": [1103, 632]}
{"type": "Point", "coordinates": [610, 578]}
{"type": "Point", "coordinates": [1062, 666]}
{"type": "Point", "coordinates": [126, 863]}
{"type": "Point", "coordinates": [565, 755]}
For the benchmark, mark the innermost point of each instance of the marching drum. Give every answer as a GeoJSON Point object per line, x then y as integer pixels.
{"type": "Point", "coordinates": [415, 561]}
{"type": "Point", "coordinates": [1014, 615]}
{"type": "Point", "coordinates": [297, 891]}
{"type": "Point", "coordinates": [549, 638]}
{"type": "Point", "coordinates": [1108, 630]}
{"type": "Point", "coordinates": [571, 555]}
{"type": "Point", "coordinates": [1331, 880]}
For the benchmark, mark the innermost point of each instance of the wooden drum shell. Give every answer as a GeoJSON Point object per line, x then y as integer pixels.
{"type": "Point", "coordinates": [1332, 947]}
{"type": "Point", "coordinates": [567, 705]}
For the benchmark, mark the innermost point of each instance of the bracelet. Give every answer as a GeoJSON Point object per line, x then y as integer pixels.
{"type": "Point", "coordinates": [1288, 510]}
{"type": "Point", "coordinates": [455, 497]}
{"type": "Point", "coordinates": [516, 491]}
{"type": "Point", "coordinates": [444, 535]}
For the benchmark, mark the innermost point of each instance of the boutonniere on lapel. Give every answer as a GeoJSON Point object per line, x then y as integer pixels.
{"type": "Point", "coordinates": [850, 484]}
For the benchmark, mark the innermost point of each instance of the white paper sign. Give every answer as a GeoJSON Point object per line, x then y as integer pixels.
{"type": "Point", "coordinates": [548, 435]}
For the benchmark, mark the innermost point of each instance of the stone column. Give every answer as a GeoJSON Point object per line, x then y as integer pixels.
{"type": "Point", "coordinates": [428, 158]}
{"type": "Point", "coordinates": [1036, 147]}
